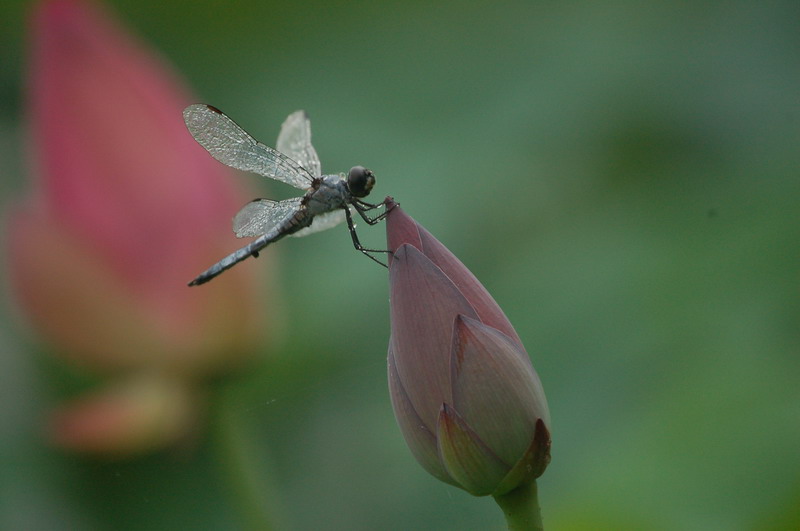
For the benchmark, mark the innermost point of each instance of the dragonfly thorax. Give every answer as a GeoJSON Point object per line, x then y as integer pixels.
{"type": "Point", "coordinates": [328, 193]}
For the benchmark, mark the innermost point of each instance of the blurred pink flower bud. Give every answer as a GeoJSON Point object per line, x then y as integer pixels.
{"type": "Point", "coordinates": [129, 416]}
{"type": "Point", "coordinates": [467, 399]}
{"type": "Point", "coordinates": [125, 208]}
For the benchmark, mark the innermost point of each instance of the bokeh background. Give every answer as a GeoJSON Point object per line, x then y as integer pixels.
{"type": "Point", "coordinates": [622, 177]}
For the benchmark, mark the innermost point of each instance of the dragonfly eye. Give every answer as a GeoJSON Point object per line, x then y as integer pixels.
{"type": "Point", "coordinates": [360, 181]}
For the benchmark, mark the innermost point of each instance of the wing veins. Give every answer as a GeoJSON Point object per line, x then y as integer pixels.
{"type": "Point", "coordinates": [261, 216]}
{"type": "Point", "coordinates": [228, 143]}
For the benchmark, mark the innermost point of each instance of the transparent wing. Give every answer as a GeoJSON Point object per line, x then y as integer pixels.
{"type": "Point", "coordinates": [322, 222]}
{"type": "Point", "coordinates": [231, 145]}
{"type": "Point", "coordinates": [262, 215]}
{"type": "Point", "coordinates": [295, 142]}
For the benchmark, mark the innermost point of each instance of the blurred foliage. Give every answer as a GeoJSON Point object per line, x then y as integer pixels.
{"type": "Point", "coordinates": [623, 178]}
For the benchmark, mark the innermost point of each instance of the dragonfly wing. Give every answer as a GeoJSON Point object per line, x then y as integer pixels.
{"type": "Point", "coordinates": [322, 222]}
{"type": "Point", "coordinates": [231, 145]}
{"type": "Point", "coordinates": [295, 142]}
{"type": "Point", "coordinates": [263, 215]}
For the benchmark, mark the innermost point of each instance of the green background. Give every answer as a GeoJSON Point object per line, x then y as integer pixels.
{"type": "Point", "coordinates": [622, 177]}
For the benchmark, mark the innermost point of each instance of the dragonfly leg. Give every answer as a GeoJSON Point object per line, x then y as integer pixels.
{"type": "Point", "coordinates": [357, 244]}
{"type": "Point", "coordinates": [369, 206]}
{"type": "Point", "coordinates": [362, 208]}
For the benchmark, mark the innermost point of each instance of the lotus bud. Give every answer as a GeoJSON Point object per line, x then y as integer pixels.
{"type": "Point", "coordinates": [123, 207]}
{"type": "Point", "coordinates": [464, 392]}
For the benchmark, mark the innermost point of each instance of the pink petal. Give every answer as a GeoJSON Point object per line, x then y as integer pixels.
{"type": "Point", "coordinates": [125, 209]}
{"type": "Point", "coordinates": [467, 459]}
{"type": "Point", "coordinates": [115, 162]}
{"type": "Point", "coordinates": [402, 229]}
{"type": "Point", "coordinates": [127, 417]}
{"type": "Point", "coordinates": [494, 389]}
{"type": "Point", "coordinates": [79, 305]}
{"type": "Point", "coordinates": [531, 465]}
{"type": "Point", "coordinates": [423, 304]}
{"type": "Point", "coordinates": [419, 438]}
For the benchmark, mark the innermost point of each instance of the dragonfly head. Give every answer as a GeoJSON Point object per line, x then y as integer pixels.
{"type": "Point", "coordinates": [360, 181]}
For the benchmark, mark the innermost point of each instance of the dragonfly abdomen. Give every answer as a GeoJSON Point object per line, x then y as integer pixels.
{"type": "Point", "coordinates": [252, 249]}
{"type": "Point", "coordinates": [299, 220]}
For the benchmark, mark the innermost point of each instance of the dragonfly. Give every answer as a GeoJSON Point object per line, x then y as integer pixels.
{"type": "Point", "coordinates": [327, 200]}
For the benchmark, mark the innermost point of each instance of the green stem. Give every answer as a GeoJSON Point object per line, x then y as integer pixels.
{"type": "Point", "coordinates": [247, 477]}
{"type": "Point", "coordinates": [521, 508]}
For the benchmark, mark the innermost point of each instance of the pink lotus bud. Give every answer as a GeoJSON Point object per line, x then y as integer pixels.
{"type": "Point", "coordinates": [467, 399]}
{"type": "Point", "coordinates": [124, 208]}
